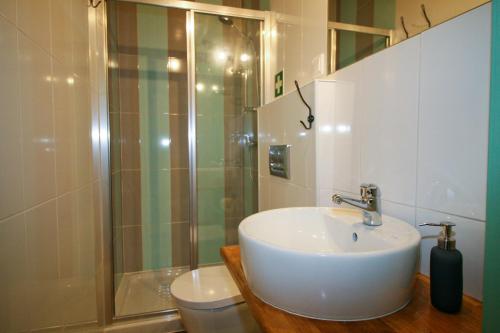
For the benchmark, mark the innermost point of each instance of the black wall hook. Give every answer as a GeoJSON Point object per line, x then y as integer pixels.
{"type": "Point", "coordinates": [91, 3]}
{"type": "Point", "coordinates": [422, 6]}
{"type": "Point", "coordinates": [404, 26]}
{"type": "Point", "coordinates": [310, 117]}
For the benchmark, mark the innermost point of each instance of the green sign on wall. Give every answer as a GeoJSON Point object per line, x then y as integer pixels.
{"type": "Point", "coordinates": [278, 84]}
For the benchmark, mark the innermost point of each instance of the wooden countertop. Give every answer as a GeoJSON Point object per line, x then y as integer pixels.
{"type": "Point", "coordinates": [418, 316]}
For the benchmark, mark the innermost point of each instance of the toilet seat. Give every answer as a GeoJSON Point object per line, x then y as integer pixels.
{"type": "Point", "coordinates": [206, 288]}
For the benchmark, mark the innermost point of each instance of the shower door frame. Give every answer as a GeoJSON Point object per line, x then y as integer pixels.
{"type": "Point", "coordinates": [105, 277]}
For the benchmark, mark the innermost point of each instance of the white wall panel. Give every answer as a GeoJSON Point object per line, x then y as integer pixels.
{"type": "Point", "coordinates": [389, 114]}
{"type": "Point", "coordinates": [454, 107]}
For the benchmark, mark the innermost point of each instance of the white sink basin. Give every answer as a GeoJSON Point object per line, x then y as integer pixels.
{"type": "Point", "coordinates": [325, 263]}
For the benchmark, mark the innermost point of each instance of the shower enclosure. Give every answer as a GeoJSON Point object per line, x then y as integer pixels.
{"type": "Point", "coordinates": [184, 82]}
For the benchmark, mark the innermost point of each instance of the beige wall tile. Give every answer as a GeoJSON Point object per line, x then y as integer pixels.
{"type": "Point", "coordinates": [38, 129]}
{"type": "Point", "coordinates": [132, 249]}
{"type": "Point", "coordinates": [61, 31]}
{"type": "Point", "coordinates": [231, 229]}
{"type": "Point", "coordinates": [179, 199]}
{"type": "Point", "coordinates": [11, 187]}
{"type": "Point", "coordinates": [13, 275]}
{"type": "Point", "coordinates": [86, 227]}
{"type": "Point", "coordinates": [131, 198]}
{"type": "Point", "coordinates": [34, 19]}
{"type": "Point", "coordinates": [127, 24]}
{"type": "Point", "coordinates": [179, 141]}
{"type": "Point", "coordinates": [79, 15]}
{"type": "Point", "coordinates": [68, 236]}
{"type": "Point", "coordinates": [79, 18]}
{"type": "Point", "coordinates": [44, 286]}
{"type": "Point", "coordinates": [233, 192]}
{"type": "Point", "coordinates": [83, 116]}
{"type": "Point", "coordinates": [177, 89]}
{"type": "Point", "coordinates": [42, 242]}
{"type": "Point", "coordinates": [180, 244]}
{"type": "Point", "coordinates": [79, 303]}
{"type": "Point", "coordinates": [65, 124]}
{"type": "Point", "coordinates": [128, 83]}
{"type": "Point", "coordinates": [130, 141]}
{"type": "Point", "coordinates": [81, 65]}
{"type": "Point", "coordinates": [48, 251]}
{"type": "Point", "coordinates": [8, 9]}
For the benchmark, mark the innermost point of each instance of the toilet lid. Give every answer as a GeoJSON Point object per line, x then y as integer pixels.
{"type": "Point", "coordinates": [206, 288]}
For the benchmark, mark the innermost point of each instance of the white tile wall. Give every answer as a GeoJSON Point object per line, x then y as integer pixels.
{"type": "Point", "coordinates": [323, 107]}
{"type": "Point", "coordinates": [47, 192]}
{"type": "Point", "coordinates": [38, 127]}
{"type": "Point", "coordinates": [300, 32]}
{"type": "Point", "coordinates": [13, 280]}
{"type": "Point", "coordinates": [345, 147]}
{"type": "Point", "coordinates": [412, 119]}
{"type": "Point", "coordinates": [8, 8]}
{"type": "Point", "coordinates": [278, 123]}
{"type": "Point", "coordinates": [33, 18]}
{"type": "Point", "coordinates": [422, 113]}
{"type": "Point", "coordinates": [388, 114]}
{"type": "Point", "coordinates": [453, 125]}
{"type": "Point", "coordinates": [11, 190]}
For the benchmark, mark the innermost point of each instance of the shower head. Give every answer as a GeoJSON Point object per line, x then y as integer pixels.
{"type": "Point", "coordinates": [226, 20]}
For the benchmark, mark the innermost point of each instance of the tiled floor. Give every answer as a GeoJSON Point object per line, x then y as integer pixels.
{"type": "Point", "coordinates": [146, 291]}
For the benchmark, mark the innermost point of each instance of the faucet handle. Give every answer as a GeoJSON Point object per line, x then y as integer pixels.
{"type": "Point", "coordinates": [368, 191]}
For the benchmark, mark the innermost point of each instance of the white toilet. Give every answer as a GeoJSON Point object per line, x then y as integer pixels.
{"type": "Point", "coordinates": [209, 302]}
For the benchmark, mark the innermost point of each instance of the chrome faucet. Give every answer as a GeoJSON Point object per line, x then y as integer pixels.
{"type": "Point", "coordinates": [369, 203]}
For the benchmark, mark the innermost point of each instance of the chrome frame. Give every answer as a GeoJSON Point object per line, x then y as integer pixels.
{"type": "Point", "coordinates": [205, 8]}
{"type": "Point", "coordinates": [334, 26]}
{"type": "Point", "coordinates": [193, 184]}
{"type": "Point", "coordinates": [104, 247]}
{"type": "Point", "coordinates": [333, 50]}
{"type": "Point", "coordinates": [104, 233]}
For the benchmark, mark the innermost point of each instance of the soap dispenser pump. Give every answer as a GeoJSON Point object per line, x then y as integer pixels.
{"type": "Point", "coordinates": [446, 271]}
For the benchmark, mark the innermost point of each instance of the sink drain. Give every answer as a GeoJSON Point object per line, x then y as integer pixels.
{"type": "Point", "coordinates": [354, 236]}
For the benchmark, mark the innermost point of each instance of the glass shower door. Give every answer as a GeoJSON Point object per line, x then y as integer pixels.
{"type": "Point", "coordinates": [149, 154]}
{"type": "Point", "coordinates": [165, 221]}
{"type": "Point", "coordinates": [227, 82]}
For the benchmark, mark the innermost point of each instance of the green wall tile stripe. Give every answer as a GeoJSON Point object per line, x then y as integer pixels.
{"type": "Point", "coordinates": [384, 14]}
{"type": "Point", "coordinates": [491, 322]}
{"type": "Point", "coordinates": [346, 51]}
{"type": "Point", "coordinates": [210, 138]}
{"type": "Point", "coordinates": [364, 16]}
{"type": "Point", "coordinates": [383, 17]}
{"type": "Point", "coordinates": [155, 136]}
{"type": "Point", "coordinates": [354, 46]}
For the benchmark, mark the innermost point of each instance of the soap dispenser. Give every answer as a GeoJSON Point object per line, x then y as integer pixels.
{"type": "Point", "coordinates": [446, 271]}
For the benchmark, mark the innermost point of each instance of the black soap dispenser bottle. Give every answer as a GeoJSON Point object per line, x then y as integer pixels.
{"type": "Point", "coordinates": [446, 271]}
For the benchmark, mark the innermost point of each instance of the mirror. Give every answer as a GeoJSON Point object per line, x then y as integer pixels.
{"type": "Point", "coordinates": [359, 28]}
